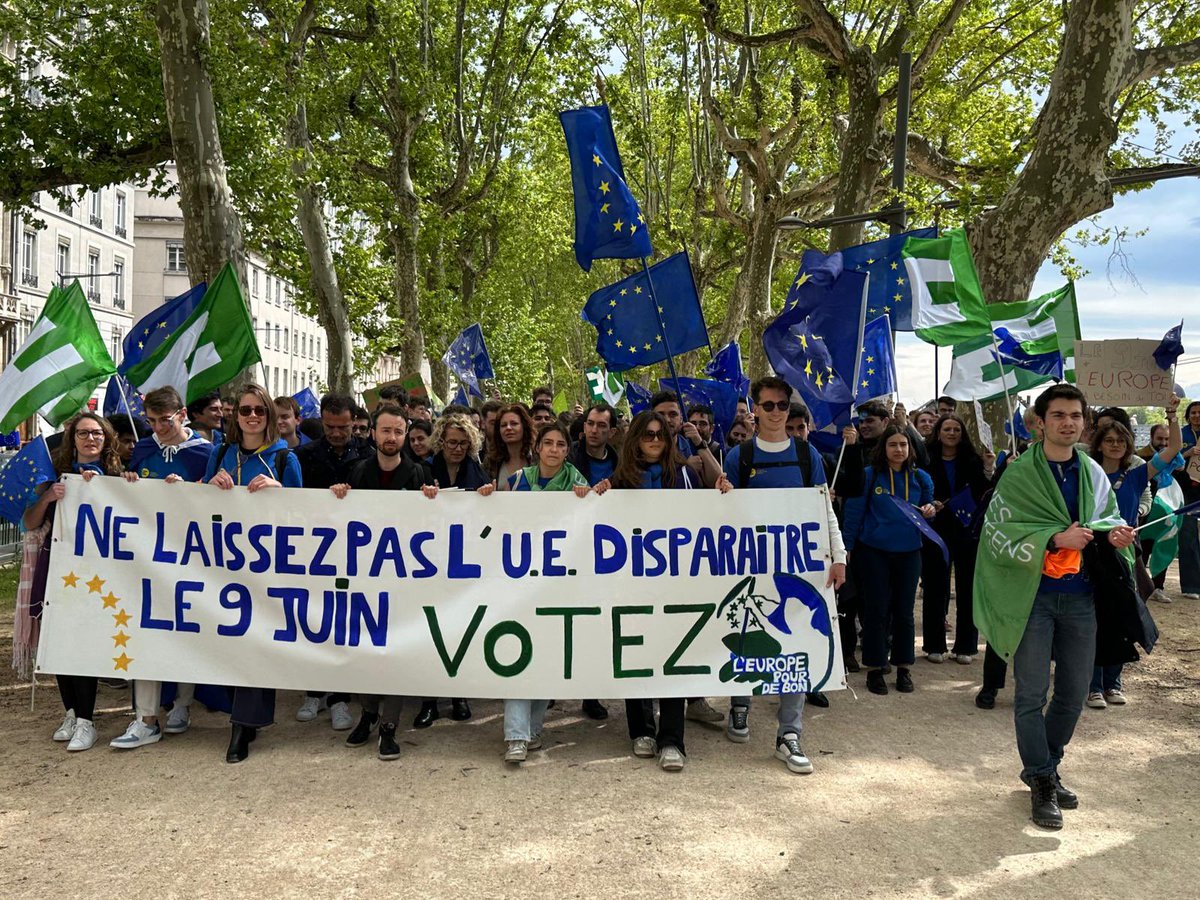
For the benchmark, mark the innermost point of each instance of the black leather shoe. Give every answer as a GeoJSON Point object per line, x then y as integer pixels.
{"type": "Point", "coordinates": [240, 737]}
{"type": "Point", "coordinates": [388, 748]}
{"type": "Point", "coordinates": [819, 700]}
{"type": "Point", "coordinates": [594, 709]}
{"type": "Point", "coordinates": [903, 680]}
{"type": "Point", "coordinates": [460, 710]}
{"type": "Point", "coordinates": [1044, 802]}
{"type": "Point", "coordinates": [428, 714]}
{"type": "Point", "coordinates": [1067, 798]}
{"type": "Point", "coordinates": [852, 664]}
{"type": "Point", "coordinates": [875, 682]}
{"type": "Point", "coordinates": [986, 699]}
{"type": "Point", "coordinates": [362, 731]}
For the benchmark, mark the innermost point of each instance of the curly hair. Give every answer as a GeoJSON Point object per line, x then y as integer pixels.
{"type": "Point", "coordinates": [460, 422]}
{"type": "Point", "coordinates": [65, 456]}
{"type": "Point", "coordinates": [497, 450]}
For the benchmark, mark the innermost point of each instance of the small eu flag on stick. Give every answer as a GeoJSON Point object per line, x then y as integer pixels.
{"type": "Point", "coordinates": [1170, 349]}
{"type": "Point", "coordinates": [20, 478]}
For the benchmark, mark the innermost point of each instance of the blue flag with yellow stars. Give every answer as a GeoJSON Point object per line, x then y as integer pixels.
{"type": "Point", "coordinates": [638, 397]}
{"type": "Point", "coordinates": [726, 366]}
{"type": "Point", "coordinates": [468, 358]}
{"type": "Point", "coordinates": [608, 221]}
{"type": "Point", "coordinates": [877, 369]}
{"type": "Point", "coordinates": [815, 337]}
{"type": "Point", "coordinates": [20, 478]}
{"type": "Point", "coordinates": [158, 325]}
{"type": "Point", "coordinates": [626, 322]}
{"type": "Point", "coordinates": [718, 396]}
{"type": "Point", "coordinates": [114, 398]}
{"type": "Point", "coordinates": [888, 293]}
{"type": "Point", "coordinates": [310, 406]}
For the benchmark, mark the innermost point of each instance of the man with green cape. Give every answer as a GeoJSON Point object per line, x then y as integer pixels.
{"type": "Point", "coordinates": [1038, 586]}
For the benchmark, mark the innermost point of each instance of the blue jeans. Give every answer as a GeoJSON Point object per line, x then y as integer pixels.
{"type": "Point", "coordinates": [1061, 627]}
{"type": "Point", "coordinates": [1105, 678]}
{"type": "Point", "coordinates": [523, 718]}
{"type": "Point", "coordinates": [1189, 555]}
{"type": "Point", "coordinates": [790, 715]}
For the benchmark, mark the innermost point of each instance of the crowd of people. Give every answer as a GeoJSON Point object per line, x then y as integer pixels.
{"type": "Point", "coordinates": [899, 480]}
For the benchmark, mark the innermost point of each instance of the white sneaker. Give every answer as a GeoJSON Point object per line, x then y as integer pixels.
{"type": "Point", "coordinates": [517, 751]}
{"type": "Point", "coordinates": [670, 760]}
{"type": "Point", "coordinates": [84, 736]}
{"type": "Point", "coordinates": [1115, 698]}
{"type": "Point", "coordinates": [179, 719]}
{"type": "Point", "coordinates": [644, 747]}
{"type": "Point", "coordinates": [788, 749]}
{"type": "Point", "coordinates": [308, 709]}
{"type": "Point", "coordinates": [67, 729]}
{"type": "Point", "coordinates": [701, 711]}
{"type": "Point", "coordinates": [339, 716]}
{"type": "Point", "coordinates": [1095, 700]}
{"type": "Point", "coordinates": [964, 659]}
{"type": "Point", "coordinates": [138, 734]}
{"type": "Point", "coordinates": [1190, 595]}
{"type": "Point", "coordinates": [1161, 596]}
{"type": "Point", "coordinates": [534, 743]}
{"type": "Point", "coordinates": [935, 657]}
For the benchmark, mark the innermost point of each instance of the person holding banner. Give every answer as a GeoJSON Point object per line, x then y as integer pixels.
{"type": "Point", "coordinates": [510, 443]}
{"type": "Point", "coordinates": [884, 545]}
{"type": "Point", "coordinates": [88, 449]}
{"type": "Point", "coordinates": [693, 447]}
{"type": "Point", "coordinates": [254, 456]}
{"type": "Point", "coordinates": [1189, 526]}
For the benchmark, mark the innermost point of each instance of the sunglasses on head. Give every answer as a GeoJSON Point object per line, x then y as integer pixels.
{"type": "Point", "coordinates": [772, 405]}
{"type": "Point", "coordinates": [259, 411]}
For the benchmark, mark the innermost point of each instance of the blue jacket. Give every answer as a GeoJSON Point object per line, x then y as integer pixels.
{"type": "Point", "coordinates": [874, 519]}
{"type": "Point", "coordinates": [262, 462]}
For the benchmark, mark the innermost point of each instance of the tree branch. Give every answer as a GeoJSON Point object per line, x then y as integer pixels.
{"type": "Point", "coordinates": [16, 185]}
{"type": "Point", "coordinates": [828, 30]}
{"type": "Point", "coordinates": [1153, 61]}
{"type": "Point", "coordinates": [805, 34]}
{"type": "Point", "coordinates": [937, 37]}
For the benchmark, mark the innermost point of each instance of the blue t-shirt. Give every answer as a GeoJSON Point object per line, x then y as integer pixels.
{"type": "Point", "coordinates": [774, 469]}
{"type": "Point", "coordinates": [1129, 494]}
{"type": "Point", "coordinates": [951, 468]}
{"type": "Point", "coordinates": [188, 459]}
{"type": "Point", "coordinates": [599, 469]}
{"type": "Point", "coordinates": [1066, 476]}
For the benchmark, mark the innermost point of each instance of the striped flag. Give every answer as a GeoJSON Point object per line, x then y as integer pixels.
{"type": "Point", "coordinates": [948, 304]}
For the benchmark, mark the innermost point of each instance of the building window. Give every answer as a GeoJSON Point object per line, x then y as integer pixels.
{"type": "Point", "coordinates": [62, 261]}
{"type": "Point", "coordinates": [93, 269]}
{"type": "Point", "coordinates": [268, 288]}
{"type": "Point", "coordinates": [276, 381]}
{"type": "Point", "coordinates": [285, 342]}
{"type": "Point", "coordinates": [267, 332]}
{"type": "Point", "coordinates": [29, 258]}
{"type": "Point", "coordinates": [96, 210]}
{"type": "Point", "coordinates": [176, 262]}
{"type": "Point", "coordinates": [254, 282]}
{"type": "Point", "coordinates": [120, 215]}
{"type": "Point", "coordinates": [278, 345]}
{"type": "Point", "coordinates": [310, 345]}
{"type": "Point", "coordinates": [296, 344]}
{"type": "Point", "coordinates": [116, 344]}
{"type": "Point", "coordinates": [278, 292]}
{"type": "Point", "coordinates": [118, 282]}
{"type": "Point", "coordinates": [318, 350]}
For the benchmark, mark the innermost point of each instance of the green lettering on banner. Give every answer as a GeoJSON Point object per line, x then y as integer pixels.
{"type": "Point", "coordinates": [435, 631]}
{"type": "Point", "coordinates": [705, 610]}
{"type": "Point", "coordinates": [620, 640]}
{"type": "Point", "coordinates": [499, 630]}
{"type": "Point", "coordinates": [568, 613]}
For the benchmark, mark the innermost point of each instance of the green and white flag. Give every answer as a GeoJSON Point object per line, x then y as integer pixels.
{"type": "Point", "coordinates": [208, 350]}
{"type": "Point", "coordinates": [948, 305]}
{"type": "Point", "coordinates": [1044, 324]}
{"type": "Point", "coordinates": [55, 371]}
{"type": "Point", "coordinates": [605, 386]}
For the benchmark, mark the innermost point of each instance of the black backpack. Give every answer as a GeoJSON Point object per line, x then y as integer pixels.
{"type": "Point", "coordinates": [746, 462]}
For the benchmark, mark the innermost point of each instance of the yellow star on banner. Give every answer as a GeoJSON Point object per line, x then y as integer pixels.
{"type": "Point", "coordinates": [624, 291]}
{"type": "Point", "coordinates": [632, 229]}
{"type": "Point", "coordinates": [70, 579]}
{"type": "Point", "coordinates": [633, 349]}
{"type": "Point", "coordinates": [120, 639]}
{"type": "Point", "coordinates": [804, 342]}
{"type": "Point", "coordinates": [808, 368]}
{"type": "Point", "coordinates": [897, 297]}
{"type": "Point", "coordinates": [121, 618]}
{"type": "Point", "coordinates": [641, 218]}
{"type": "Point", "coordinates": [604, 207]}
{"type": "Point", "coordinates": [660, 309]}
{"type": "Point", "coordinates": [122, 662]}
{"type": "Point", "coordinates": [899, 281]}
{"type": "Point", "coordinates": [870, 262]}
{"type": "Point", "coordinates": [110, 600]}
{"type": "Point", "coordinates": [646, 346]}
{"type": "Point", "coordinates": [610, 331]}
{"type": "Point", "coordinates": [604, 188]}
{"type": "Point", "coordinates": [619, 344]}
{"type": "Point", "coordinates": [819, 380]}
{"type": "Point", "coordinates": [658, 337]}
{"type": "Point", "coordinates": [595, 159]}
{"type": "Point", "coordinates": [870, 359]}
{"type": "Point", "coordinates": [95, 584]}
{"type": "Point", "coordinates": [638, 289]}
{"type": "Point", "coordinates": [865, 383]}
{"type": "Point", "coordinates": [894, 266]}
{"type": "Point", "coordinates": [803, 277]}
{"type": "Point", "coordinates": [141, 346]}
{"type": "Point", "coordinates": [887, 309]}
{"type": "Point", "coordinates": [870, 371]}
{"type": "Point", "coordinates": [871, 310]}
{"type": "Point", "coordinates": [617, 225]}
{"type": "Point", "coordinates": [612, 302]}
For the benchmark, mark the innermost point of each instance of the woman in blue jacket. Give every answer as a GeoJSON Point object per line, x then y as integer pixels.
{"type": "Point", "coordinates": [885, 551]}
{"type": "Point", "coordinates": [253, 456]}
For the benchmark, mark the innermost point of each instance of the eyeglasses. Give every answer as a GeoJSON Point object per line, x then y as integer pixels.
{"type": "Point", "coordinates": [155, 421]}
{"type": "Point", "coordinates": [772, 405]}
{"type": "Point", "coordinates": [456, 445]}
{"type": "Point", "coordinates": [362, 429]}
{"type": "Point", "coordinates": [90, 435]}
{"type": "Point", "coordinates": [649, 436]}
{"type": "Point", "coordinates": [248, 411]}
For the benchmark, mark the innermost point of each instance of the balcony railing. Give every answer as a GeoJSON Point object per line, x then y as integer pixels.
{"type": "Point", "coordinates": [118, 302]}
{"type": "Point", "coordinates": [95, 220]}
{"type": "Point", "coordinates": [119, 231]}
{"type": "Point", "coordinates": [29, 279]}
{"type": "Point", "coordinates": [93, 295]}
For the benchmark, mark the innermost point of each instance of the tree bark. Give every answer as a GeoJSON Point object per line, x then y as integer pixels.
{"type": "Point", "coordinates": [750, 304]}
{"type": "Point", "coordinates": [860, 160]}
{"type": "Point", "coordinates": [212, 229]}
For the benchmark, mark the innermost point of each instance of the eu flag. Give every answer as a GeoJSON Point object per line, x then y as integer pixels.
{"type": "Point", "coordinates": [726, 366]}
{"type": "Point", "coordinates": [1170, 349]}
{"type": "Point", "coordinates": [1010, 352]}
{"type": "Point", "coordinates": [815, 337]}
{"type": "Point", "coordinates": [888, 293]}
{"type": "Point", "coordinates": [114, 398]}
{"type": "Point", "coordinates": [627, 333]}
{"type": "Point", "coordinates": [20, 478]}
{"type": "Point", "coordinates": [877, 368]}
{"type": "Point", "coordinates": [154, 328]}
{"type": "Point", "coordinates": [608, 221]}
{"type": "Point", "coordinates": [310, 406]}
{"type": "Point", "coordinates": [468, 358]}
{"type": "Point", "coordinates": [638, 396]}
{"type": "Point", "coordinates": [722, 398]}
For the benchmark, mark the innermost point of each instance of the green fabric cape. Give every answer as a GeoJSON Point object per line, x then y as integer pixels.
{"type": "Point", "coordinates": [568, 476]}
{"type": "Point", "coordinates": [1026, 511]}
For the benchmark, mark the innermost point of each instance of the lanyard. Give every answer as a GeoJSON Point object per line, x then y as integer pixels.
{"type": "Point", "coordinates": [892, 476]}
{"type": "Point", "coordinates": [238, 479]}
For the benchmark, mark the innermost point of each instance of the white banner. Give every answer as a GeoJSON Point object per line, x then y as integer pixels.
{"type": "Point", "coordinates": [632, 594]}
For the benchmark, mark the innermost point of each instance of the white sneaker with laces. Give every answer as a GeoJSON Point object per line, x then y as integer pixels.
{"type": "Point", "coordinates": [179, 719]}
{"type": "Point", "coordinates": [644, 747]}
{"type": "Point", "coordinates": [670, 760]}
{"type": "Point", "coordinates": [1115, 698]}
{"type": "Point", "coordinates": [138, 734]}
{"type": "Point", "coordinates": [66, 730]}
{"type": "Point", "coordinates": [517, 751]}
{"type": "Point", "coordinates": [1161, 596]}
{"type": "Point", "coordinates": [339, 716]}
{"type": "Point", "coordinates": [1095, 700]}
{"type": "Point", "coordinates": [84, 736]}
{"type": "Point", "coordinates": [308, 709]}
{"type": "Point", "coordinates": [788, 749]}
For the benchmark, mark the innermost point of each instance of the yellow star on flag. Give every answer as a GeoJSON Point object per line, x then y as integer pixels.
{"type": "Point", "coordinates": [870, 262]}
{"type": "Point", "coordinates": [633, 349]}
{"type": "Point", "coordinates": [595, 159]}
{"type": "Point", "coordinates": [612, 302]}
{"type": "Point", "coordinates": [141, 346]}
{"type": "Point", "coordinates": [632, 229]}
{"type": "Point", "coordinates": [604, 207]}
{"type": "Point", "coordinates": [894, 266]}
{"type": "Point", "coordinates": [95, 584]}
{"type": "Point", "coordinates": [899, 281]}
{"type": "Point", "coordinates": [658, 337]}
{"type": "Point", "coordinates": [660, 309]}
{"type": "Point", "coordinates": [110, 600]}
{"type": "Point", "coordinates": [610, 331]}
{"type": "Point", "coordinates": [801, 279]}
{"type": "Point", "coordinates": [808, 368]}
{"type": "Point", "coordinates": [870, 371]}
{"type": "Point", "coordinates": [820, 382]}
{"type": "Point", "coordinates": [646, 346]}
{"type": "Point", "coordinates": [887, 309]}
{"type": "Point", "coordinates": [122, 662]}
{"type": "Point", "coordinates": [617, 225]}
{"type": "Point", "coordinates": [120, 639]}
{"type": "Point", "coordinates": [865, 383]}
{"type": "Point", "coordinates": [870, 359]}
{"type": "Point", "coordinates": [804, 342]}
{"type": "Point", "coordinates": [638, 289]}
{"type": "Point", "coordinates": [121, 618]}
{"type": "Point", "coordinates": [624, 291]}
{"type": "Point", "coordinates": [897, 297]}
{"type": "Point", "coordinates": [162, 324]}
{"type": "Point", "coordinates": [604, 188]}
{"type": "Point", "coordinates": [618, 343]}
{"type": "Point", "coordinates": [70, 579]}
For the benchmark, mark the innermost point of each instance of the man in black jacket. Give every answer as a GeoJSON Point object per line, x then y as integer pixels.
{"type": "Point", "coordinates": [387, 470]}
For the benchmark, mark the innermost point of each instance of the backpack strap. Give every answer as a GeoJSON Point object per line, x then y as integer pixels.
{"type": "Point", "coordinates": [746, 462]}
{"type": "Point", "coordinates": [280, 462]}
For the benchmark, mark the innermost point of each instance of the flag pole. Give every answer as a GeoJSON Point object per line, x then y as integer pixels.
{"type": "Point", "coordinates": [1012, 429]}
{"type": "Point", "coordinates": [125, 397]}
{"type": "Point", "coordinates": [862, 328]}
{"type": "Point", "coordinates": [662, 329]}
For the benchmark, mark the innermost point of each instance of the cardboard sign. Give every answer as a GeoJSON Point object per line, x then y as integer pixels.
{"type": "Point", "coordinates": [1121, 373]}
{"type": "Point", "coordinates": [413, 383]}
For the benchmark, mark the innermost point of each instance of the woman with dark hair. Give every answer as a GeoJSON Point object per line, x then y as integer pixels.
{"type": "Point", "coordinates": [256, 457]}
{"type": "Point", "coordinates": [960, 479]}
{"type": "Point", "coordinates": [885, 551]}
{"type": "Point", "coordinates": [88, 449]}
{"type": "Point", "coordinates": [510, 444]}
{"type": "Point", "coordinates": [649, 459]}
{"type": "Point", "coordinates": [455, 446]}
{"type": "Point", "coordinates": [416, 447]}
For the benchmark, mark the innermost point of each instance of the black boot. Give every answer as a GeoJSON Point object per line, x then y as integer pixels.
{"type": "Point", "coordinates": [427, 715]}
{"type": "Point", "coordinates": [818, 699]}
{"type": "Point", "coordinates": [875, 682]}
{"type": "Point", "coordinates": [903, 680]}
{"type": "Point", "coordinates": [1044, 800]}
{"type": "Point", "coordinates": [1067, 798]}
{"type": "Point", "coordinates": [594, 709]}
{"type": "Point", "coordinates": [239, 743]}
{"type": "Point", "coordinates": [460, 709]}
{"type": "Point", "coordinates": [362, 731]}
{"type": "Point", "coordinates": [388, 748]}
{"type": "Point", "coordinates": [986, 699]}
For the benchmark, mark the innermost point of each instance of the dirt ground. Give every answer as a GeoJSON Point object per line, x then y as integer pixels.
{"type": "Point", "coordinates": [913, 796]}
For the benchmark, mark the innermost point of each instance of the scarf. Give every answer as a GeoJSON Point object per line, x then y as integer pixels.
{"type": "Point", "coordinates": [566, 478]}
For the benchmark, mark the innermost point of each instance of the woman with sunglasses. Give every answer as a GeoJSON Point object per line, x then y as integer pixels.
{"type": "Point", "coordinates": [650, 460]}
{"type": "Point", "coordinates": [510, 443]}
{"type": "Point", "coordinates": [253, 456]}
{"type": "Point", "coordinates": [88, 449]}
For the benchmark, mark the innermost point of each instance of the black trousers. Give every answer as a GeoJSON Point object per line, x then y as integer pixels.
{"type": "Point", "coordinates": [849, 607]}
{"type": "Point", "coordinates": [936, 602]}
{"type": "Point", "coordinates": [994, 670]}
{"type": "Point", "coordinates": [78, 692]}
{"type": "Point", "coordinates": [253, 707]}
{"type": "Point", "coordinates": [888, 580]}
{"type": "Point", "coordinates": [640, 716]}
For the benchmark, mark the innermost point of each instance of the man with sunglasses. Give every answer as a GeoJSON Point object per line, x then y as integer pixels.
{"type": "Point", "coordinates": [772, 459]}
{"type": "Point", "coordinates": [687, 437]}
{"type": "Point", "coordinates": [175, 453]}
